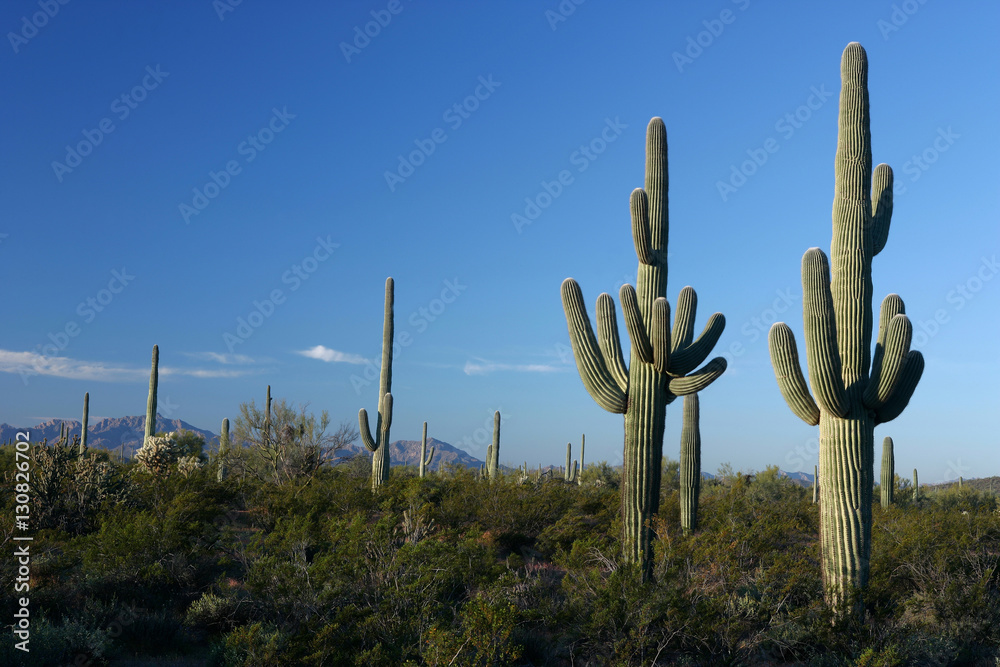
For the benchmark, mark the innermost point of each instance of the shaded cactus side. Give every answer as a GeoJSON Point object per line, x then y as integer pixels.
{"type": "Point", "coordinates": [888, 481]}
{"type": "Point", "coordinates": [151, 400]}
{"type": "Point", "coordinates": [379, 445]}
{"type": "Point", "coordinates": [425, 458]}
{"type": "Point", "coordinates": [690, 464]}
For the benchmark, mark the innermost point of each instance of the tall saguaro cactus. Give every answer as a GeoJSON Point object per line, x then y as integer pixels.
{"type": "Point", "coordinates": [425, 458]}
{"type": "Point", "coordinates": [690, 463]}
{"type": "Point", "coordinates": [854, 390]}
{"type": "Point", "coordinates": [583, 449]}
{"type": "Point", "coordinates": [223, 449]}
{"type": "Point", "coordinates": [151, 400]}
{"type": "Point", "coordinates": [888, 480]}
{"type": "Point", "coordinates": [83, 425]}
{"type": "Point", "coordinates": [379, 445]}
{"type": "Point", "coordinates": [493, 451]}
{"type": "Point", "coordinates": [661, 360]}
{"type": "Point", "coordinates": [916, 486]}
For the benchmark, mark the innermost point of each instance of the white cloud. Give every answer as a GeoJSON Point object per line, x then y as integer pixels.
{"type": "Point", "coordinates": [482, 367]}
{"type": "Point", "coordinates": [324, 353]}
{"type": "Point", "coordinates": [28, 364]}
{"type": "Point", "coordinates": [222, 358]}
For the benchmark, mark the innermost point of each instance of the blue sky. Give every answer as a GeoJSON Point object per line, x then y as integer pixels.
{"type": "Point", "coordinates": [228, 152]}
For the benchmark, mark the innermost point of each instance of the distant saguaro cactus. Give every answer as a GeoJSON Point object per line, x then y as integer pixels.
{"type": "Point", "coordinates": [223, 449]}
{"type": "Point", "coordinates": [151, 400]}
{"type": "Point", "coordinates": [572, 467]}
{"type": "Point", "coordinates": [853, 390]}
{"type": "Point", "coordinates": [583, 447]}
{"type": "Point", "coordinates": [916, 485]}
{"type": "Point", "coordinates": [493, 451]}
{"type": "Point", "coordinates": [661, 361]}
{"type": "Point", "coordinates": [83, 425]}
{"type": "Point", "coordinates": [690, 464]}
{"type": "Point", "coordinates": [379, 445]}
{"type": "Point", "coordinates": [888, 481]}
{"type": "Point", "coordinates": [425, 458]}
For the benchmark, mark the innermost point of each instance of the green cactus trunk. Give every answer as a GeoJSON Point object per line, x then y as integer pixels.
{"type": "Point", "coordinates": [83, 425]}
{"type": "Point", "coordinates": [223, 449]}
{"type": "Point", "coordinates": [583, 447]}
{"type": "Point", "coordinates": [854, 391]}
{"type": "Point", "coordinates": [425, 458]}
{"type": "Point", "coordinates": [815, 484]}
{"type": "Point", "coordinates": [690, 464]}
{"type": "Point", "coordinates": [661, 360]}
{"type": "Point", "coordinates": [493, 451]}
{"type": "Point", "coordinates": [916, 485]}
{"type": "Point", "coordinates": [151, 400]}
{"type": "Point", "coordinates": [888, 479]}
{"type": "Point", "coordinates": [379, 445]}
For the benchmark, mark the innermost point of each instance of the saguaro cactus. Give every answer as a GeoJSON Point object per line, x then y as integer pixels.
{"type": "Point", "coordinates": [379, 445]}
{"type": "Point", "coordinates": [493, 451]}
{"type": "Point", "coordinates": [690, 464]}
{"type": "Point", "coordinates": [660, 360]}
{"type": "Point", "coordinates": [916, 485]}
{"type": "Point", "coordinates": [83, 425]}
{"type": "Point", "coordinates": [425, 458]}
{"type": "Point", "coordinates": [571, 474]}
{"type": "Point", "coordinates": [583, 447]}
{"type": "Point", "coordinates": [267, 418]}
{"type": "Point", "coordinates": [223, 449]}
{"type": "Point", "coordinates": [151, 401]}
{"type": "Point", "coordinates": [888, 481]}
{"type": "Point", "coordinates": [815, 484]}
{"type": "Point", "coordinates": [854, 391]}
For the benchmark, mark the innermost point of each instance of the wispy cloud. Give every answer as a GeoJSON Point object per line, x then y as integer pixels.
{"type": "Point", "coordinates": [482, 367]}
{"type": "Point", "coordinates": [324, 353]}
{"type": "Point", "coordinates": [227, 359]}
{"type": "Point", "coordinates": [31, 363]}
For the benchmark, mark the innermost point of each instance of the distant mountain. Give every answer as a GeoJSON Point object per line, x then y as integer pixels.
{"type": "Point", "coordinates": [800, 478]}
{"type": "Point", "coordinates": [105, 433]}
{"type": "Point", "coordinates": [407, 452]}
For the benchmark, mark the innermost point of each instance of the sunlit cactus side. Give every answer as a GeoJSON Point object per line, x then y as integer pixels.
{"type": "Point", "coordinates": [690, 464]}
{"type": "Point", "coordinates": [83, 425]}
{"type": "Point", "coordinates": [151, 400]}
{"type": "Point", "coordinates": [854, 390]}
{"type": "Point", "coordinates": [223, 449]}
{"type": "Point", "coordinates": [815, 484]}
{"type": "Point", "coordinates": [888, 481]}
{"type": "Point", "coordinates": [379, 445]}
{"type": "Point", "coordinates": [425, 458]}
{"type": "Point", "coordinates": [661, 360]}
{"type": "Point", "coordinates": [916, 485]}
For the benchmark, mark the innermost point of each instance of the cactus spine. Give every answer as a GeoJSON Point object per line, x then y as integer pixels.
{"type": "Point", "coordinates": [151, 401]}
{"type": "Point", "coordinates": [916, 486]}
{"type": "Point", "coordinates": [379, 445]}
{"type": "Point", "coordinates": [690, 464]}
{"type": "Point", "coordinates": [815, 484]}
{"type": "Point", "coordinates": [425, 458]}
{"type": "Point", "coordinates": [83, 425]}
{"type": "Point", "coordinates": [493, 451]}
{"type": "Point", "coordinates": [660, 360]}
{"type": "Point", "coordinates": [853, 391]}
{"type": "Point", "coordinates": [888, 482]}
{"type": "Point", "coordinates": [223, 449]}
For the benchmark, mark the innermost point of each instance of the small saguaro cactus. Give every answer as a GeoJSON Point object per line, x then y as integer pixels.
{"type": "Point", "coordinates": [888, 481]}
{"type": "Point", "coordinates": [425, 458]}
{"type": "Point", "coordinates": [815, 484]}
{"type": "Point", "coordinates": [570, 475]}
{"type": "Point", "coordinates": [916, 485]}
{"type": "Point", "coordinates": [223, 449]}
{"type": "Point", "coordinates": [661, 360]}
{"type": "Point", "coordinates": [379, 445]}
{"type": "Point", "coordinates": [959, 483]}
{"type": "Point", "coordinates": [83, 424]}
{"type": "Point", "coordinates": [690, 464]}
{"type": "Point", "coordinates": [583, 447]}
{"type": "Point", "coordinates": [151, 400]}
{"type": "Point", "coordinates": [267, 418]}
{"type": "Point", "coordinates": [854, 390]}
{"type": "Point", "coordinates": [493, 451]}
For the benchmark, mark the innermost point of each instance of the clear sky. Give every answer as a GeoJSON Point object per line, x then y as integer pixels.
{"type": "Point", "coordinates": [169, 166]}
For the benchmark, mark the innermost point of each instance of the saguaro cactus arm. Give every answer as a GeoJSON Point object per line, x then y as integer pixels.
{"type": "Point", "coordinates": [379, 444]}
{"type": "Point", "coordinates": [381, 426]}
{"type": "Point", "coordinates": [822, 354]}
{"type": "Point", "coordinates": [913, 368]}
{"type": "Point", "coordinates": [151, 400]}
{"type": "Point", "coordinates": [785, 359]}
{"type": "Point", "coordinates": [590, 362]}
